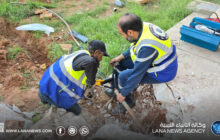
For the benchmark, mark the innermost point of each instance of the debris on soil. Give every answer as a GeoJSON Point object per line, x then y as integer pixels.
{"type": "Point", "coordinates": [66, 47]}
{"type": "Point", "coordinates": [36, 27]}
{"type": "Point", "coordinates": [46, 15]}
{"type": "Point", "coordinates": [96, 117]}
{"type": "Point", "coordinates": [39, 11]}
{"type": "Point", "coordinates": [19, 76]}
{"type": "Point", "coordinates": [43, 13]}
{"type": "Point", "coordinates": [3, 53]}
{"type": "Point", "coordinates": [147, 109]}
{"type": "Point", "coordinates": [119, 3]}
{"type": "Point", "coordinates": [141, 1]}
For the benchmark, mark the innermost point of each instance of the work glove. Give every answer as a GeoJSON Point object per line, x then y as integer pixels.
{"type": "Point", "coordinates": [89, 93]}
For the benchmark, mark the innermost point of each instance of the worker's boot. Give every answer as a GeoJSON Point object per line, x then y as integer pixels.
{"type": "Point", "coordinates": [120, 109]}
{"type": "Point", "coordinates": [110, 92]}
{"type": "Point", "coordinates": [43, 98]}
{"type": "Point", "coordinates": [75, 109]}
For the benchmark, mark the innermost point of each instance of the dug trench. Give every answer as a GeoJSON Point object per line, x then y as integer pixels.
{"type": "Point", "coordinates": [19, 79]}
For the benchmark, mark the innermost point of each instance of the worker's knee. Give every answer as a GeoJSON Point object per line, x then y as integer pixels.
{"type": "Point", "coordinates": [76, 109]}
{"type": "Point", "coordinates": [123, 76]}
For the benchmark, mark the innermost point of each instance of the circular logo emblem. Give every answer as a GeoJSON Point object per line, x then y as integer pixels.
{"type": "Point", "coordinates": [158, 32]}
{"type": "Point", "coordinates": [216, 128]}
{"type": "Point", "coordinates": [84, 130]}
{"type": "Point", "coordinates": [60, 130]}
{"type": "Point", "coordinates": [72, 130]}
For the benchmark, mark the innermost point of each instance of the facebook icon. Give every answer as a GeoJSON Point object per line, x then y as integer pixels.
{"type": "Point", "coordinates": [60, 131]}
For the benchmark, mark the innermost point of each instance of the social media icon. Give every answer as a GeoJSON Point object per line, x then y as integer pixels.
{"type": "Point", "coordinates": [216, 128]}
{"type": "Point", "coordinates": [72, 130]}
{"type": "Point", "coordinates": [60, 131]}
{"type": "Point", "coordinates": [84, 130]}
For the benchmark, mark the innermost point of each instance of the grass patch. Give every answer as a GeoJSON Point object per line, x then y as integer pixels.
{"type": "Point", "coordinates": [23, 87]}
{"type": "Point", "coordinates": [17, 12]}
{"type": "Point", "coordinates": [36, 117]}
{"type": "Point", "coordinates": [164, 13]}
{"type": "Point", "coordinates": [55, 51]}
{"type": "Point", "coordinates": [29, 76]}
{"type": "Point", "coordinates": [13, 52]}
{"type": "Point", "coordinates": [55, 1]}
{"type": "Point", "coordinates": [79, 17]}
{"type": "Point", "coordinates": [214, 1]}
{"type": "Point", "coordinates": [1, 98]}
{"type": "Point", "coordinates": [97, 11]}
{"type": "Point", "coordinates": [106, 3]}
{"type": "Point", "coordinates": [90, 1]}
{"type": "Point", "coordinates": [38, 34]}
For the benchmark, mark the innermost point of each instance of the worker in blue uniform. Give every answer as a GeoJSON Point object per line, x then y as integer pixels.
{"type": "Point", "coordinates": [150, 59]}
{"type": "Point", "coordinates": [72, 76]}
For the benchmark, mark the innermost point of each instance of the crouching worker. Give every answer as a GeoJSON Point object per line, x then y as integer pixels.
{"type": "Point", "coordinates": [72, 76]}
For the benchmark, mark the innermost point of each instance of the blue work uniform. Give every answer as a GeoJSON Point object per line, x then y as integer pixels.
{"type": "Point", "coordinates": [150, 64]}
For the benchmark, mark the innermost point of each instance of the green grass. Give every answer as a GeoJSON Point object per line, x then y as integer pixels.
{"type": "Point", "coordinates": [38, 34]}
{"type": "Point", "coordinates": [24, 87]}
{"type": "Point", "coordinates": [106, 3]}
{"type": "Point", "coordinates": [81, 16]}
{"type": "Point", "coordinates": [214, 1]}
{"type": "Point", "coordinates": [17, 12]}
{"type": "Point", "coordinates": [90, 1]}
{"type": "Point", "coordinates": [36, 117]}
{"type": "Point", "coordinates": [55, 51]}
{"type": "Point", "coordinates": [164, 13]}
{"type": "Point", "coordinates": [12, 52]}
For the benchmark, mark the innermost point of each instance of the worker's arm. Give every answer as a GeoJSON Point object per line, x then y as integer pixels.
{"type": "Point", "coordinates": [89, 64]}
{"type": "Point", "coordinates": [90, 72]}
{"type": "Point", "coordinates": [143, 61]}
{"type": "Point", "coordinates": [120, 57]}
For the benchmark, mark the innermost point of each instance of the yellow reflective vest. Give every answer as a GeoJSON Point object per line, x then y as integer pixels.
{"type": "Point", "coordinates": [147, 38]}
{"type": "Point", "coordinates": [153, 36]}
{"type": "Point", "coordinates": [62, 83]}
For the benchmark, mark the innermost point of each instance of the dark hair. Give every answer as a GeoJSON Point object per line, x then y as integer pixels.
{"type": "Point", "coordinates": [130, 21]}
{"type": "Point", "coordinates": [97, 45]}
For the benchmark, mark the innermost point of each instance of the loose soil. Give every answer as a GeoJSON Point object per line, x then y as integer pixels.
{"type": "Point", "coordinates": [147, 109]}
{"type": "Point", "coordinates": [22, 72]}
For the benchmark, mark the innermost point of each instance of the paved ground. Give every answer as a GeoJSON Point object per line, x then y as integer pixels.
{"type": "Point", "coordinates": [196, 88]}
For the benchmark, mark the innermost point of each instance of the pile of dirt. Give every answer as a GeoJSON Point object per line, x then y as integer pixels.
{"type": "Point", "coordinates": [23, 71]}
{"type": "Point", "coordinates": [95, 115]}
{"type": "Point", "coordinates": [148, 111]}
